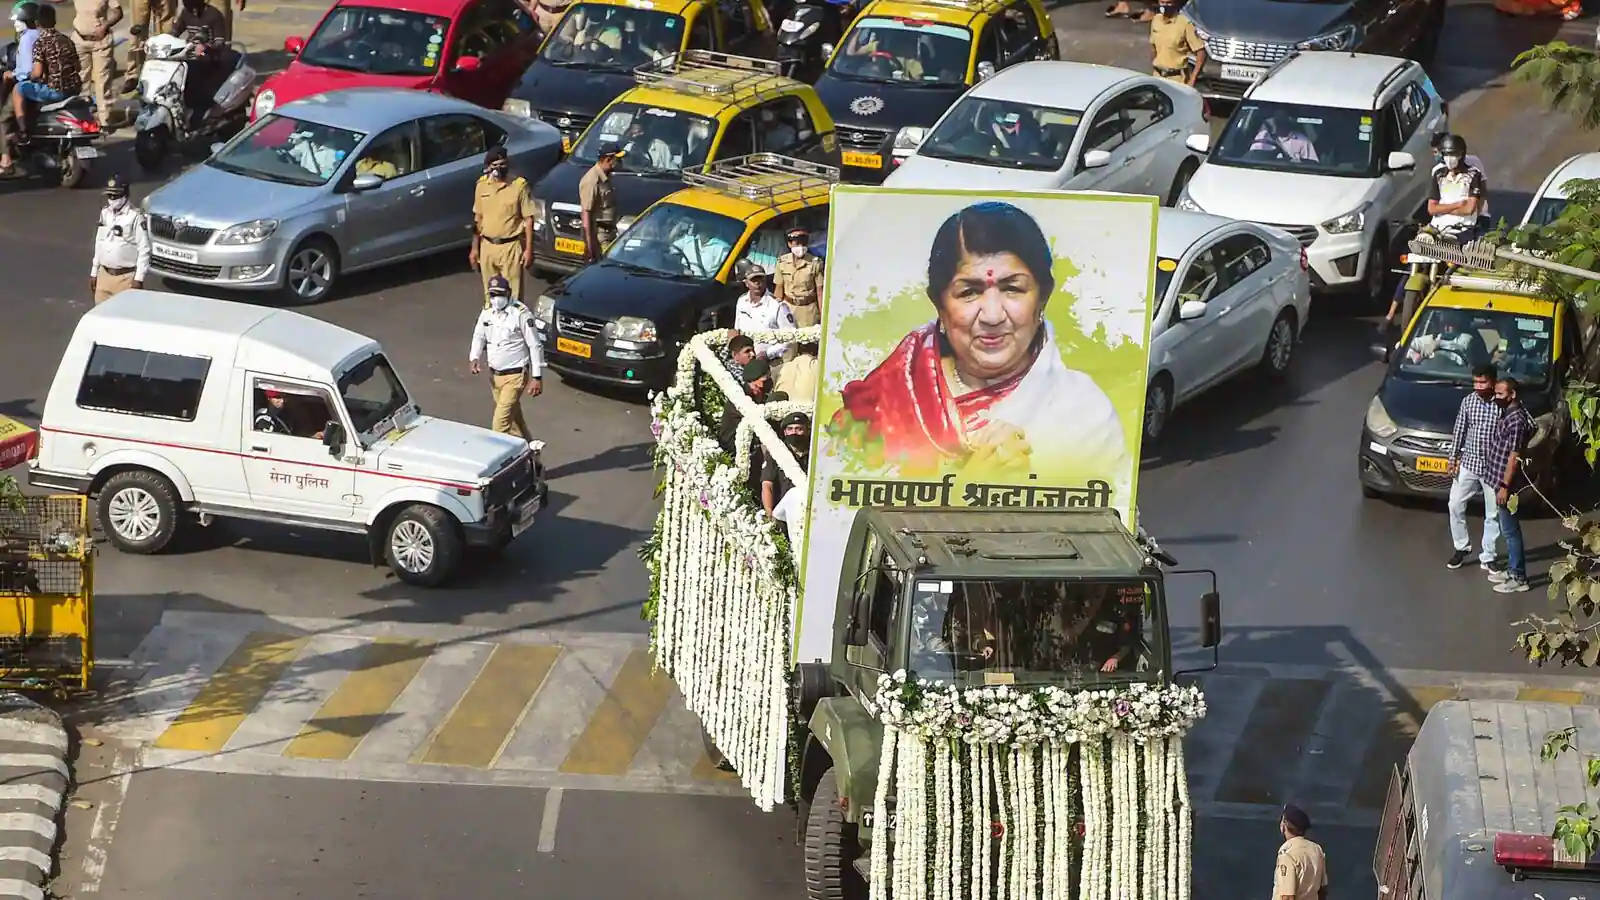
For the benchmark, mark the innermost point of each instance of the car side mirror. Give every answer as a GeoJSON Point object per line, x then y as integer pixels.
{"type": "Point", "coordinates": [1399, 161]}
{"type": "Point", "coordinates": [468, 64]}
{"type": "Point", "coordinates": [1192, 309]}
{"type": "Point", "coordinates": [1096, 159]}
{"type": "Point", "coordinates": [333, 438]}
{"type": "Point", "coordinates": [366, 182]}
{"type": "Point", "coordinates": [1199, 143]}
{"type": "Point", "coordinates": [1210, 619]}
{"type": "Point", "coordinates": [985, 70]}
{"type": "Point", "coordinates": [1380, 352]}
{"type": "Point", "coordinates": [293, 44]}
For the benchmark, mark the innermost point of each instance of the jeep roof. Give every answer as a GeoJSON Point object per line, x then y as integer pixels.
{"type": "Point", "coordinates": [1012, 543]}
{"type": "Point", "coordinates": [1331, 78]}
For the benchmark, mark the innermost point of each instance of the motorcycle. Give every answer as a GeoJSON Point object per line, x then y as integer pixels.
{"type": "Point", "coordinates": [165, 118]}
{"type": "Point", "coordinates": [61, 135]}
{"type": "Point", "coordinates": [807, 36]}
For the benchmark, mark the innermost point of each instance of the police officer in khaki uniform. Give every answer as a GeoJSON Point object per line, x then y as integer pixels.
{"type": "Point", "coordinates": [1302, 871]}
{"type": "Point", "coordinates": [798, 281]}
{"type": "Point", "coordinates": [598, 200]}
{"type": "Point", "coordinates": [1173, 40]}
{"type": "Point", "coordinates": [502, 217]}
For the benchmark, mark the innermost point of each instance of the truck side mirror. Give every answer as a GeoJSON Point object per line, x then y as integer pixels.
{"type": "Point", "coordinates": [1210, 619]}
{"type": "Point", "coordinates": [333, 438]}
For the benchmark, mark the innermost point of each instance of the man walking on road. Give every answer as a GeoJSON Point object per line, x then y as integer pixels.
{"type": "Point", "coordinates": [1302, 869]}
{"type": "Point", "coordinates": [597, 200]}
{"type": "Point", "coordinates": [1476, 422]}
{"type": "Point", "coordinates": [97, 65]}
{"type": "Point", "coordinates": [502, 220]}
{"type": "Point", "coordinates": [121, 245]}
{"type": "Point", "coordinates": [516, 360]}
{"type": "Point", "coordinates": [1505, 463]}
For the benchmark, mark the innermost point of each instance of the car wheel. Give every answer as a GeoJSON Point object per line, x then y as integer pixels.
{"type": "Point", "coordinates": [311, 270]}
{"type": "Point", "coordinates": [1181, 180]}
{"type": "Point", "coordinates": [1157, 407]}
{"type": "Point", "coordinates": [138, 511]}
{"type": "Point", "coordinates": [1279, 352]}
{"type": "Point", "coordinates": [1376, 278]}
{"type": "Point", "coordinates": [423, 546]}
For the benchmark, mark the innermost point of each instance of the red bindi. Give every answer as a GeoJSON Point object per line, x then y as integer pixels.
{"type": "Point", "coordinates": [989, 276]}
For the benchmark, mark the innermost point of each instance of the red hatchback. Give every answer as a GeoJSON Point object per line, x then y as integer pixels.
{"type": "Point", "coordinates": [472, 49]}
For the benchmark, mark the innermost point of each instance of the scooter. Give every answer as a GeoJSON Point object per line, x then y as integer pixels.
{"type": "Point", "coordinates": [61, 135]}
{"type": "Point", "coordinates": [165, 120]}
{"type": "Point", "coordinates": [807, 36]}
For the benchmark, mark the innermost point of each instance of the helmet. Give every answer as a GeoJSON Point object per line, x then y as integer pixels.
{"type": "Point", "coordinates": [26, 12]}
{"type": "Point", "coordinates": [116, 186]}
{"type": "Point", "coordinates": [1452, 145]}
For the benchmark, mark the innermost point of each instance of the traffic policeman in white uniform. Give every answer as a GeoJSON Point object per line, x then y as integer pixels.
{"type": "Point", "coordinates": [121, 245]}
{"type": "Point", "coordinates": [516, 360]}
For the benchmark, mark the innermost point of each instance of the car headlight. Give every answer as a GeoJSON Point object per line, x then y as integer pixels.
{"type": "Point", "coordinates": [253, 232]}
{"type": "Point", "coordinates": [1378, 421]}
{"type": "Point", "coordinates": [1341, 38]}
{"type": "Point", "coordinates": [1352, 221]}
{"type": "Point", "coordinates": [624, 223]}
{"type": "Point", "coordinates": [1201, 33]}
{"type": "Point", "coordinates": [541, 211]}
{"type": "Point", "coordinates": [544, 310]}
{"type": "Point", "coordinates": [517, 107]}
{"type": "Point", "coordinates": [1186, 202]}
{"type": "Point", "coordinates": [266, 102]}
{"type": "Point", "coordinates": [910, 137]}
{"type": "Point", "coordinates": [631, 328]}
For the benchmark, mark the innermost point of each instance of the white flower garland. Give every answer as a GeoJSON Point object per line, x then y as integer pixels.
{"type": "Point", "coordinates": [1023, 754]}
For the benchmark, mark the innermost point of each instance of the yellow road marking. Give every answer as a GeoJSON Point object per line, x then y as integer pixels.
{"type": "Point", "coordinates": [1546, 695]}
{"type": "Point", "coordinates": [623, 720]}
{"type": "Point", "coordinates": [479, 725]}
{"type": "Point", "coordinates": [361, 700]}
{"type": "Point", "coordinates": [232, 692]}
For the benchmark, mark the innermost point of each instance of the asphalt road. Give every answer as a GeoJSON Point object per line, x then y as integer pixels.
{"type": "Point", "coordinates": [1257, 484]}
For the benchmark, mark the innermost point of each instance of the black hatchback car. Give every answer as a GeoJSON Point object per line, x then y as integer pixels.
{"type": "Point", "coordinates": [1245, 38]}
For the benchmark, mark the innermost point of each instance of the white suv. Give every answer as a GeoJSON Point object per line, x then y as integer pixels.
{"type": "Point", "coordinates": [166, 406]}
{"type": "Point", "coordinates": [1334, 148]}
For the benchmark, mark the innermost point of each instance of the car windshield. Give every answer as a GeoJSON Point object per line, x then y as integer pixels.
{"type": "Point", "coordinates": [653, 139]}
{"type": "Point", "coordinates": [1547, 210]}
{"type": "Point", "coordinates": [372, 393]}
{"type": "Point", "coordinates": [1447, 344]}
{"type": "Point", "coordinates": [613, 37]}
{"type": "Point", "coordinates": [377, 41]}
{"type": "Point", "coordinates": [1291, 137]}
{"type": "Point", "coordinates": [997, 132]}
{"type": "Point", "coordinates": [288, 150]}
{"type": "Point", "coordinates": [909, 50]}
{"type": "Point", "coordinates": [678, 240]}
{"type": "Point", "coordinates": [1030, 629]}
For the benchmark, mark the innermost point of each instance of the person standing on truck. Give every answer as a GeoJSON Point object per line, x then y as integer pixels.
{"type": "Point", "coordinates": [516, 360]}
{"type": "Point", "coordinates": [757, 310]}
{"type": "Point", "coordinates": [798, 282]}
{"type": "Point", "coordinates": [121, 245]}
{"type": "Point", "coordinates": [796, 433]}
{"type": "Point", "coordinates": [502, 220]}
{"type": "Point", "coordinates": [1505, 462]}
{"type": "Point", "coordinates": [1302, 869]}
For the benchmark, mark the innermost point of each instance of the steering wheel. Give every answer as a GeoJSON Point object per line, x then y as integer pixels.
{"type": "Point", "coordinates": [360, 47]}
{"type": "Point", "coordinates": [664, 251]}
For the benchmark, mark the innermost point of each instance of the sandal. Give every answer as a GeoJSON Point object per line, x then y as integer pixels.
{"type": "Point", "coordinates": [1112, 13]}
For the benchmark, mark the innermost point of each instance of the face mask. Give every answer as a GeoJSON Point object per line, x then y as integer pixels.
{"type": "Point", "coordinates": [499, 302]}
{"type": "Point", "coordinates": [798, 251]}
{"type": "Point", "coordinates": [497, 172]}
{"type": "Point", "coordinates": [1453, 162]}
{"type": "Point", "coordinates": [118, 204]}
{"type": "Point", "coordinates": [1502, 402]}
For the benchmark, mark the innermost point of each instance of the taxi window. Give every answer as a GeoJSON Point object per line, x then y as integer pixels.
{"type": "Point", "coordinates": [886, 49]}
{"type": "Point", "coordinates": [1447, 344]}
{"type": "Point", "coordinates": [487, 26]}
{"type": "Point", "coordinates": [678, 240]}
{"type": "Point", "coordinates": [701, 38]}
{"type": "Point", "coordinates": [783, 126]}
{"type": "Point", "coordinates": [613, 38]}
{"type": "Point", "coordinates": [1017, 33]}
{"type": "Point", "coordinates": [737, 25]}
{"type": "Point", "coordinates": [655, 139]}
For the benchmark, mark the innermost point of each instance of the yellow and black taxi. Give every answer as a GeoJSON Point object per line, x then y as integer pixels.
{"type": "Point", "coordinates": [591, 56]}
{"type": "Point", "coordinates": [1469, 320]}
{"type": "Point", "coordinates": [688, 111]}
{"type": "Point", "coordinates": [904, 62]}
{"type": "Point", "coordinates": [679, 269]}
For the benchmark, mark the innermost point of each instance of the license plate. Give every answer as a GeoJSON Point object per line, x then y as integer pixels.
{"type": "Point", "coordinates": [1248, 74]}
{"type": "Point", "coordinates": [576, 348]}
{"type": "Point", "coordinates": [569, 245]}
{"type": "Point", "coordinates": [566, 144]}
{"type": "Point", "coordinates": [85, 152]}
{"type": "Point", "coordinates": [863, 160]}
{"type": "Point", "coordinates": [1432, 464]}
{"type": "Point", "coordinates": [525, 517]}
{"type": "Point", "coordinates": [178, 253]}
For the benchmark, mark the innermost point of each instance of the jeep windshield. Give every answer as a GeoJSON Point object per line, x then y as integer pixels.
{"type": "Point", "coordinates": [914, 51]}
{"type": "Point", "coordinates": [1293, 137]}
{"type": "Point", "coordinates": [377, 41]}
{"type": "Point", "coordinates": [994, 132]}
{"type": "Point", "coordinates": [372, 393]}
{"type": "Point", "coordinates": [654, 140]}
{"type": "Point", "coordinates": [599, 36]}
{"type": "Point", "coordinates": [1005, 631]}
{"type": "Point", "coordinates": [1447, 344]}
{"type": "Point", "coordinates": [676, 240]}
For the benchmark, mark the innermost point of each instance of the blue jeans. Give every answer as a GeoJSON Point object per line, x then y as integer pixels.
{"type": "Point", "coordinates": [39, 92]}
{"type": "Point", "coordinates": [1511, 530]}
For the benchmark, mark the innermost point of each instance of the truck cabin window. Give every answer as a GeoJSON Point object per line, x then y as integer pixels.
{"type": "Point", "coordinates": [1029, 629]}
{"type": "Point", "coordinates": [290, 410]}
{"type": "Point", "coordinates": [372, 392]}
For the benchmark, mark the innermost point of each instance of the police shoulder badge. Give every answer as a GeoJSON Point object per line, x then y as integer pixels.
{"type": "Point", "coordinates": [866, 106]}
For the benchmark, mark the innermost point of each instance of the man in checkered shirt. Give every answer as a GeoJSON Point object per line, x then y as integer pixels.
{"type": "Point", "coordinates": [1476, 421]}
{"type": "Point", "coordinates": [1505, 463]}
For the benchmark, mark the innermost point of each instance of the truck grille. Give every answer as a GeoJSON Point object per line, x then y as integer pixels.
{"type": "Point", "coordinates": [1423, 444]}
{"type": "Point", "coordinates": [567, 223]}
{"type": "Point", "coordinates": [867, 140]}
{"type": "Point", "coordinates": [1305, 234]}
{"type": "Point", "coordinates": [582, 326]}
{"type": "Point", "coordinates": [167, 229]}
{"type": "Point", "coordinates": [1233, 50]}
{"type": "Point", "coordinates": [192, 270]}
{"type": "Point", "coordinates": [512, 481]}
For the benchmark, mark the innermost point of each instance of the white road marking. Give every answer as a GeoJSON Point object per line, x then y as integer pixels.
{"type": "Point", "coordinates": [45, 828]}
{"type": "Point", "coordinates": [98, 851]}
{"type": "Point", "coordinates": [547, 825]}
{"type": "Point", "coordinates": [21, 793]}
{"type": "Point", "coordinates": [37, 858]}
{"type": "Point", "coordinates": [35, 733]}
{"type": "Point", "coordinates": [17, 889]}
{"type": "Point", "coordinates": [33, 763]}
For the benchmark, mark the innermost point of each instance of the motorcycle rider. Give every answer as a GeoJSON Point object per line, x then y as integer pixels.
{"type": "Point", "coordinates": [213, 61]}
{"type": "Point", "coordinates": [1457, 209]}
{"type": "Point", "coordinates": [24, 20]}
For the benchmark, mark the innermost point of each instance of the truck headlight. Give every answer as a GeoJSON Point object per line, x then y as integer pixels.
{"type": "Point", "coordinates": [1352, 221]}
{"type": "Point", "coordinates": [544, 311]}
{"type": "Point", "coordinates": [1186, 202]}
{"type": "Point", "coordinates": [1341, 38]}
{"type": "Point", "coordinates": [517, 107]}
{"type": "Point", "coordinates": [910, 137]}
{"type": "Point", "coordinates": [1378, 421]}
{"type": "Point", "coordinates": [266, 102]}
{"type": "Point", "coordinates": [253, 232]}
{"type": "Point", "coordinates": [631, 328]}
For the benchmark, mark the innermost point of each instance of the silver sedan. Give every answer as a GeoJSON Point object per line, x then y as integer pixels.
{"type": "Point", "coordinates": [335, 183]}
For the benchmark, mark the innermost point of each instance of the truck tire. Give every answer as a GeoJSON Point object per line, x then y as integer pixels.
{"type": "Point", "coordinates": [831, 847]}
{"type": "Point", "coordinates": [138, 511]}
{"type": "Point", "coordinates": [423, 546]}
